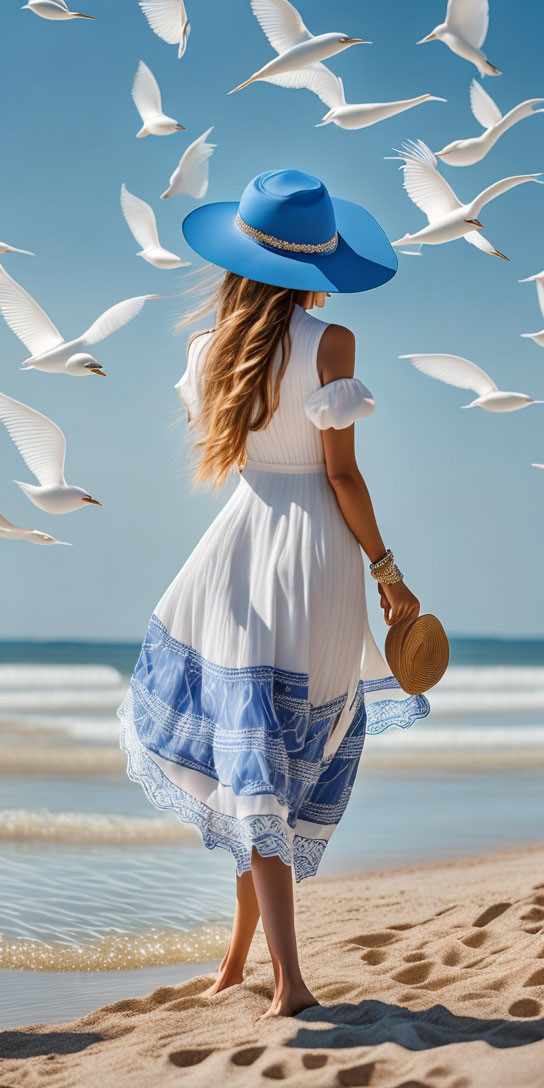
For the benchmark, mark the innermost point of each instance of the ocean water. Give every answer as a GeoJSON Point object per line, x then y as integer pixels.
{"type": "Point", "coordinates": [104, 896]}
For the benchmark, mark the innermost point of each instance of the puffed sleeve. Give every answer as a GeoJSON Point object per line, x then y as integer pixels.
{"type": "Point", "coordinates": [190, 385]}
{"type": "Point", "coordinates": [338, 404]}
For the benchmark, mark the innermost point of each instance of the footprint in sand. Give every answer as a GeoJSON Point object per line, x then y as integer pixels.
{"type": "Point", "coordinates": [414, 957]}
{"type": "Point", "coordinates": [357, 1076]}
{"type": "Point", "coordinates": [535, 914]}
{"type": "Point", "coordinates": [374, 957]}
{"type": "Point", "coordinates": [314, 1061]}
{"type": "Point", "coordinates": [536, 979]}
{"type": "Point", "coordinates": [474, 940]}
{"type": "Point", "coordinates": [374, 940]}
{"type": "Point", "coordinates": [417, 972]}
{"type": "Point", "coordinates": [451, 955]}
{"type": "Point", "coordinates": [275, 1072]}
{"type": "Point", "coordinates": [247, 1056]}
{"type": "Point", "coordinates": [526, 1006]}
{"type": "Point", "coordinates": [491, 913]}
{"type": "Point", "coordinates": [184, 1058]}
{"type": "Point", "coordinates": [333, 992]}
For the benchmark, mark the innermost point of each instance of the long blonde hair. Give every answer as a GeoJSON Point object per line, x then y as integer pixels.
{"type": "Point", "coordinates": [239, 392]}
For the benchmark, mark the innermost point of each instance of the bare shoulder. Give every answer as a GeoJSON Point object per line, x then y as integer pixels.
{"type": "Point", "coordinates": [336, 354]}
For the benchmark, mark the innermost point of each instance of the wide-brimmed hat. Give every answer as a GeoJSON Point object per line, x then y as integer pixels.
{"type": "Point", "coordinates": [287, 231]}
{"type": "Point", "coordinates": [417, 653]}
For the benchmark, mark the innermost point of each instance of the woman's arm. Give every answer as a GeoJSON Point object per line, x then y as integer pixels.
{"type": "Point", "coordinates": [336, 359]}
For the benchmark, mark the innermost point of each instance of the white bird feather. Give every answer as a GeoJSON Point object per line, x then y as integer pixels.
{"type": "Point", "coordinates": [193, 170]}
{"type": "Point", "coordinates": [168, 19]}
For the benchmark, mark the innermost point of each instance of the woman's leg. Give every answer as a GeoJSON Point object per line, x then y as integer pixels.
{"type": "Point", "coordinates": [246, 916]}
{"type": "Point", "coordinates": [274, 889]}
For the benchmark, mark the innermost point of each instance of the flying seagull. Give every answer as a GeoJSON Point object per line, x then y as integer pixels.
{"type": "Point", "coordinates": [488, 114]}
{"type": "Point", "coordinates": [147, 99]}
{"type": "Point", "coordinates": [49, 350]}
{"type": "Point", "coordinates": [193, 170]}
{"type": "Point", "coordinates": [295, 45]}
{"type": "Point", "coordinates": [53, 9]}
{"type": "Point", "coordinates": [9, 531]}
{"type": "Point", "coordinates": [168, 19]}
{"type": "Point", "coordinates": [453, 370]}
{"type": "Point", "coordinates": [330, 89]}
{"type": "Point", "coordinates": [448, 219]}
{"type": "Point", "coordinates": [538, 337]}
{"type": "Point", "coordinates": [42, 446]}
{"type": "Point", "coordinates": [141, 221]}
{"type": "Point", "coordinates": [464, 32]}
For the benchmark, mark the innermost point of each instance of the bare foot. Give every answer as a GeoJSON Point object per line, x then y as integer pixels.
{"type": "Point", "coordinates": [290, 1003]}
{"type": "Point", "coordinates": [223, 980]}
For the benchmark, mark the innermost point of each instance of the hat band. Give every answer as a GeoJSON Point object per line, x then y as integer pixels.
{"type": "Point", "coordinates": [278, 243]}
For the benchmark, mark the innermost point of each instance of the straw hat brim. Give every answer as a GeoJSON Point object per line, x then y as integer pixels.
{"type": "Point", "coordinates": [417, 652]}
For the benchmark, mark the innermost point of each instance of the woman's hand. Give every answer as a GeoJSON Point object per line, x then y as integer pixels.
{"type": "Point", "coordinates": [398, 602]}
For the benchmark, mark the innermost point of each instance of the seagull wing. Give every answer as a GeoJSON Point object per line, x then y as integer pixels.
{"type": "Point", "coordinates": [499, 188]}
{"type": "Point", "coordinates": [281, 23]}
{"type": "Point", "coordinates": [540, 294]}
{"type": "Point", "coordinates": [113, 319]}
{"type": "Point", "coordinates": [192, 173]}
{"type": "Point", "coordinates": [168, 19]}
{"type": "Point", "coordinates": [454, 370]}
{"type": "Point", "coordinates": [423, 183]}
{"type": "Point", "coordinates": [146, 92]}
{"type": "Point", "coordinates": [476, 238]}
{"type": "Point", "coordinates": [317, 78]}
{"type": "Point", "coordinates": [485, 110]}
{"type": "Point", "coordinates": [25, 318]}
{"type": "Point", "coordinates": [469, 19]}
{"type": "Point", "coordinates": [39, 441]}
{"type": "Point", "coordinates": [140, 218]}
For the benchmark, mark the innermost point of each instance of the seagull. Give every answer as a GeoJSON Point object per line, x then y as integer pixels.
{"type": "Point", "coordinates": [168, 19]}
{"type": "Point", "coordinates": [53, 9]}
{"type": "Point", "coordinates": [330, 89]}
{"type": "Point", "coordinates": [147, 99]}
{"type": "Point", "coordinates": [141, 221]}
{"type": "Point", "coordinates": [464, 32]}
{"type": "Point", "coordinates": [296, 46]}
{"type": "Point", "coordinates": [486, 111]}
{"type": "Point", "coordinates": [49, 350]}
{"type": "Point", "coordinates": [454, 370]}
{"type": "Point", "coordinates": [537, 466]}
{"type": "Point", "coordinates": [43, 446]}
{"type": "Point", "coordinates": [4, 248]}
{"type": "Point", "coordinates": [192, 173]}
{"type": "Point", "coordinates": [448, 219]}
{"type": "Point", "coordinates": [538, 337]}
{"type": "Point", "coordinates": [9, 531]}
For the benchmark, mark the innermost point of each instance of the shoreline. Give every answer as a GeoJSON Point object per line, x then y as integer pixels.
{"type": "Point", "coordinates": [419, 967]}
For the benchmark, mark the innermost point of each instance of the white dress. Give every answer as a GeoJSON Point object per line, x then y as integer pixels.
{"type": "Point", "coordinates": [259, 676]}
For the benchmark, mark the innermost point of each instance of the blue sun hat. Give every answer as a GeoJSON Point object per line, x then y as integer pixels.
{"type": "Point", "coordinates": [287, 231]}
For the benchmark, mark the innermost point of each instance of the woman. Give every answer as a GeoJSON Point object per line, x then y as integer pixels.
{"type": "Point", "coordinates": [259, 676]}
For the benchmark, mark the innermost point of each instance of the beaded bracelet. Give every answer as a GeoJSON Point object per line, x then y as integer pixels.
{"type": "Point", "coordinates": [387, 558]}
{"type": "Point", "coordinates": [385, 570]}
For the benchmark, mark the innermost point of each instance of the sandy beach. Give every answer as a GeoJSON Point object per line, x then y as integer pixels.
{"type": "Point", "coordinates": [430, 976]}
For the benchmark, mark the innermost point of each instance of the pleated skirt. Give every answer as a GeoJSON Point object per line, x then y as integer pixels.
{"type": "Point", "coordinates": [259, 679]}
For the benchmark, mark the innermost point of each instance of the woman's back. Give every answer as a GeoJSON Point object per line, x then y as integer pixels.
{"type": "Point", "coordinates": [290, 438]}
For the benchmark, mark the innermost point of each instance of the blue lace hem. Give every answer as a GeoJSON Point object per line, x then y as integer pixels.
{"type": "Point", "coordinates": [269, 834]}
{"type": "Point", "coordinates": [253, 730]}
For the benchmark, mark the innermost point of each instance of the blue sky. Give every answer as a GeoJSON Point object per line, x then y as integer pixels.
{"type": "Point", "coordinates": [453, 491]}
